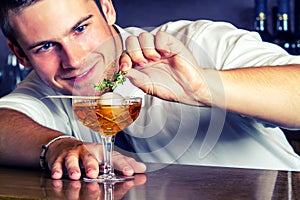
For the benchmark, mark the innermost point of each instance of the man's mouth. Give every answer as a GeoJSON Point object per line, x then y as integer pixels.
{"type": "Point", "coordinates": [76, 76]}
{"type": "Point", "coordinates": [80, 76]}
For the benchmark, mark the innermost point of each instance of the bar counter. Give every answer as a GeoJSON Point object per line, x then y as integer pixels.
{"type": "Point", "coordinates": [160, 182]}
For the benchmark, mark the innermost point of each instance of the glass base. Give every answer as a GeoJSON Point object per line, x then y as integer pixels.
{"type": "Point", "coordinates": [108, 179]}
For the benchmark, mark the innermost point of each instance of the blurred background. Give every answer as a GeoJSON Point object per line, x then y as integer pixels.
{"type": "Point", "coordinates": [155, 12]}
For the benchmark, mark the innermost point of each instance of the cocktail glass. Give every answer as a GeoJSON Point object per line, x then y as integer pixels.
{"type": "Point", "coordinates": [107, 116]}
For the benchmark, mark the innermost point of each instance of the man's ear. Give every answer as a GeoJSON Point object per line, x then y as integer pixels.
{"type": "Point", "coordinates": [22, 58]}
{"type": "Point", "coordinates": [108, 10]}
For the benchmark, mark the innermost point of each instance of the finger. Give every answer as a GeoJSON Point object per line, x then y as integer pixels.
{"type": "Point", "coordinates": [121, 164]}
{"type": "Point", "coordinates": [125, 62]}
{"type": "Point", "coordinates": [128, 166]}
{"type": "Point", "coordinates": [138, 167]}
{"type": "Point", "coordinates": [57, 168]}
{"type": "Point", "coordinates": [134, 51]}
{"type": "Point", "coordinates": [146, 41]}
{"type": "Point", "coordinates": [168, 46]}
{"type": "Point", "coordinates": [90, 164]}
{"type": "Point", "coordinates": [72, 165]}
{"type": "Point", "coordinates": [141, 80]}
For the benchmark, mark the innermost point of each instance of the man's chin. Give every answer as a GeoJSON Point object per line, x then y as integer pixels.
{"type": "Point", "coordinates": [86, 92]}
{"type": "Point", "coordinates": [80, 90]}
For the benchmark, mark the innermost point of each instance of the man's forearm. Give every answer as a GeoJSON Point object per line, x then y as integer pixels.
{"type": "Point", "coordinates": [21, 139]}
{"type": "Point", "coordinates": [268, 93]}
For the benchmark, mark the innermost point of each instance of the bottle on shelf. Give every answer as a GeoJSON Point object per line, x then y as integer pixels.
{"type": "Point", "coordinates": [260, 23]}
{"type": "Point", "coordinates": [283, 35]}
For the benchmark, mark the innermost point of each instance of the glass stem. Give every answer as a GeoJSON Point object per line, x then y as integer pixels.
{"type": "Point", "coordinates": [108, 148]}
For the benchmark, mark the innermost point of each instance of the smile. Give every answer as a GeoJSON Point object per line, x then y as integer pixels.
{"type": "Point", "coordinates": [82, 76]}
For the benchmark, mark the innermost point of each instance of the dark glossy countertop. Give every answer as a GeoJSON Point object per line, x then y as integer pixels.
{"type": "Point", "coordinates": [161, 182]}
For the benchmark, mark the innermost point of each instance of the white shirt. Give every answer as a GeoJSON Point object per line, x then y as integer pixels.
{"type": "Point", "coordinates": [175, 133]}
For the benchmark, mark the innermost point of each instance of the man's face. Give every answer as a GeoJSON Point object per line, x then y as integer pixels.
{"type": "Point", "coordinates": [67, 42]}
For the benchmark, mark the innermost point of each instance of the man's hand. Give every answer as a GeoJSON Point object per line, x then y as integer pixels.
{"type": "Point", "coordinates": [68, 153]}
{"type": "Point", "coordinates": [162, 66]}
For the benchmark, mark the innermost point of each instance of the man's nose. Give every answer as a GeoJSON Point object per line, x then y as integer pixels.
{"type": "Point", "coordinates": [72, 55]}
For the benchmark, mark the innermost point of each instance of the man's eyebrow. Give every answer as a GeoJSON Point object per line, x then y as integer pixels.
{"type": "Point", "coordinates": [81, 21]}
{"type": "Point", "coordinates": [71, 30]}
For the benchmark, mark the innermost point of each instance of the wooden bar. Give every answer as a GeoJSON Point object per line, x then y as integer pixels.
{"type": "Point", "coordinates": [160, 182]}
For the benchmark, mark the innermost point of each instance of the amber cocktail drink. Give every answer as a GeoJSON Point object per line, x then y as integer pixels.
{"type": "Point", "coordinates": [107, 116]}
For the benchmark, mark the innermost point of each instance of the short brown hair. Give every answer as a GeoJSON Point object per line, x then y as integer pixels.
{"type": "Point", "coordinates": [15, 6]}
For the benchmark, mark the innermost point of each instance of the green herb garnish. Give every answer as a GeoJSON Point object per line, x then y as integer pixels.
{"type": "Point", "coordinates": [118, 78]}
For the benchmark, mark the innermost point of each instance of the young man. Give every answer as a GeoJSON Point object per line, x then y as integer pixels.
{"type": "Point", "coordinates": [227, 116]}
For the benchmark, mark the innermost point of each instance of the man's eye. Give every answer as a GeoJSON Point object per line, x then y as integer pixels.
{"type": "Point", "coordinates": [80, 29]}
{"type": "Point", "coordinates": [46, 46]}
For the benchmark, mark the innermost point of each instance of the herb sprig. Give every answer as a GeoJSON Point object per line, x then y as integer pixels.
{"type": "Point", "coordinates": [118, 78]}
